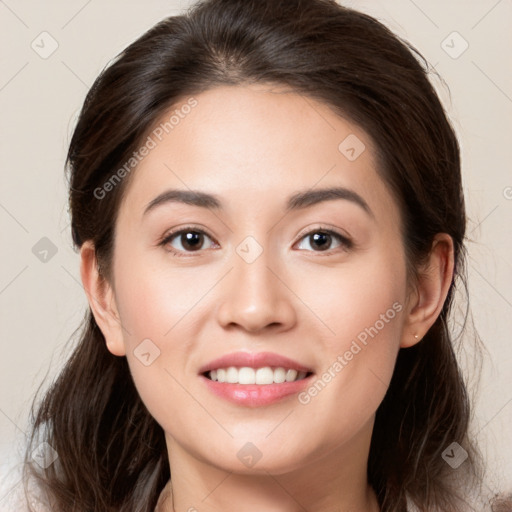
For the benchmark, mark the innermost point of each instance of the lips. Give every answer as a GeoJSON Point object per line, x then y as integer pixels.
{"type": "Point", "coordinates": [237, 387]}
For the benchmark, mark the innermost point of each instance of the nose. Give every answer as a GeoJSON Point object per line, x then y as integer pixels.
{"type": "Point", "coordinates": [255, 297]}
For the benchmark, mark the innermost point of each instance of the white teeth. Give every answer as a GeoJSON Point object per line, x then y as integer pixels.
{"type": "Point", "coordinates": [265, 375]}
{"type": "Point", "coordinates": [279, 375]}
{"type": "Point", "coordinates": [232, 375]}
{"type": "Point", "coordinates": [246, 376]}
{"type": "Point", "coordinates": [291, 375]}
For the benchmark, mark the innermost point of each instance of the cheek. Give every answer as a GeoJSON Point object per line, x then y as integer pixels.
{"type": "Point", "coordinates": [363, 307]}
{"type": "Point", "coordinates": [161, 310]}
{"type": "Point", "coordinates": [353, 301]}
{"type": "Point", "coordinates": [152, 302]}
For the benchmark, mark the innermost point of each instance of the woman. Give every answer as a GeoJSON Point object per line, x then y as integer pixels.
{"type": "Point", "coordinates": [267, 200]}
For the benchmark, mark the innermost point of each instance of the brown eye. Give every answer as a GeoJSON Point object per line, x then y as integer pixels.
{"type": "Point", "coordinates": [191, 240]}
{"type": "Point", "coordinates": [322, 240]}
{"type": "Point", "coordinates": [186, 240]}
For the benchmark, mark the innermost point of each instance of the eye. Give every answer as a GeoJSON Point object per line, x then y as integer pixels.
{"type": "Point", "coordinates": [185, 240]}
{"type": "Point", "coordinates": [322, 239]}
{"type": "Point", "coordinates": [191, 239]}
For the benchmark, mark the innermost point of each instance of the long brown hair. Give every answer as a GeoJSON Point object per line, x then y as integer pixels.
{"type": "Point", "coordinates": [111, 452]}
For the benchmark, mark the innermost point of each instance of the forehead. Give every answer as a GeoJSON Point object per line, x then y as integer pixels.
{"type": "Point", "coordinates": [254, 143]}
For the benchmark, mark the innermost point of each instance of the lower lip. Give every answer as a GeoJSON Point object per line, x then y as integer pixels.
{"type": "Point", "coordinates": [255, 395]}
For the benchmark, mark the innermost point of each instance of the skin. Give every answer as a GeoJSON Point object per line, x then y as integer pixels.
{"type": "Point", "coordinates": [253, 147]}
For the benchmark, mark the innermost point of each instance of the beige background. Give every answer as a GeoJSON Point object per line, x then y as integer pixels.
{"type": "Point", "coordinates": [43, 302]}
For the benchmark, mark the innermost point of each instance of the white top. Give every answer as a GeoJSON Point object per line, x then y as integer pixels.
{"type": "Point", "coordinates": [12, 492]}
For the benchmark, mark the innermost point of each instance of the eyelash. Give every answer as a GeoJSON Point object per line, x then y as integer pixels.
{"type": "Point", "coordinates": [345, 243]}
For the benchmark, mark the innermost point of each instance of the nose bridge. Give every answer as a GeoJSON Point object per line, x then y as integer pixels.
{"type": "Point", "coordinates": [254, 297]}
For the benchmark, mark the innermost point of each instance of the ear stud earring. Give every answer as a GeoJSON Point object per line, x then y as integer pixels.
{"type": "Point", "coordinates": [416, 336]}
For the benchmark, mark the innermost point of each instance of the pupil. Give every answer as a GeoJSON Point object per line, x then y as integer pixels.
{"type": "Point", "coordinates": [192, 240]}
{"type": "Point", "coordinates": [322, 238]}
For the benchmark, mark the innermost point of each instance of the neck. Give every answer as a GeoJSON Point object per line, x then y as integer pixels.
{"type": "Point", "coordinates": [325, 485]}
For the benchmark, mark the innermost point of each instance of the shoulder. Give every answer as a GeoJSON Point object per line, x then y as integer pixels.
{"type": "Point", "coordinates": [476, 502]}
{"type": "Point", "coordinates": [15, 495]}
{"type": "Point", "coordinates": [12, 495]}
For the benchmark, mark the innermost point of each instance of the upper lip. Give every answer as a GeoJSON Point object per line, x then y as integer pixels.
{"type": "Point", "coordinates": [253, 360]}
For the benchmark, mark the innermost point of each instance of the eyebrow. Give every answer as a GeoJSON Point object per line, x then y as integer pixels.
{"type": "Point", "coordinates": [297, 201]}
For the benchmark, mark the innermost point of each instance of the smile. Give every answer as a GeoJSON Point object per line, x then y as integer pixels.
{"type": "Point", "coordinates": [263, 376]}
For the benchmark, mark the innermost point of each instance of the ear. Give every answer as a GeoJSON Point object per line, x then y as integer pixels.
{"type": "Point", "coordinates": [426, 301]}
{"type": "Point", "coordinates": [101, 299]}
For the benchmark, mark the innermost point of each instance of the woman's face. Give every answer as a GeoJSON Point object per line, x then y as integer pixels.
{"type": "Point", "coordinates": [273, 273]}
